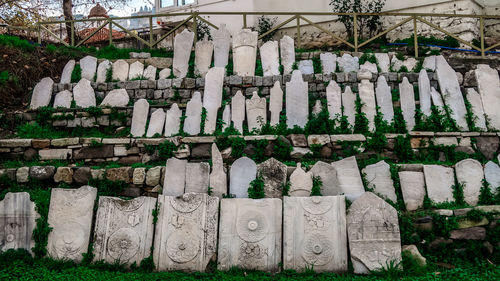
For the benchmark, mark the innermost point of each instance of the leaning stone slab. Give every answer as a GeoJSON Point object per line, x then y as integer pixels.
{"type": "Point", "coordinates": [156, 123]}
{"type": "Point", "coordinates": [139, 118]}
{"type": "Point", "coordinates": [63, 99]}
{"type": "Point", "coordinates": [243, 171]}
{"type": "Point", "coordinates": [436, 98]}
{"type": "Point", "coordinates": [348, 63]}
{"type": "Point", "coordinates": [124, 229]}
{"type": "Point", "coordinates": [429, 63]}
{"type": "Point", "coordinates": [245, 52]}
{"type": "Point", "coordinates": [314, 234]}
{"type": "Point", "coordinates": [439, 181]}
{"type": "Point", "coordinates": [306, 67]}
{"type": "Point", "coordinates": [150, 73]}
{"type": "Point", "coordinates": [238, 111]}
{"type": "Point", "coordinates": [287, 53]}
{"type": "Point", "coordinates": [488, 84]}
{"type": "Point", "coordinates": [297, 101]}
{"type": "Point", "coordinates": [334, 100]}
{"type": "Point", "coordinates": [42, 94]}
{"type": "Point", "coordinates": [384, 99]}
{"type": "Point", "coordinates": [270, 58]}
{"type": "Point", "coordinates": [67, 71]}
{"type": "Point", "coordinates": [173, 120]}
{"type": "Point", "coordinates": [218, 177]}
{"type": "Point", "coordinates": [193, 115]}
{"type": "Point", "coordinates": [369, 108]}
{"type": "Point", "coordinates": [222, 43]}
{"type": "Point", "coordinates": [373, 232]}
{"type": "Point", "coordinates": [116, 98]}
{"type": "Point", "coordinates": [136, 70]}
{"type": "Point", "coordinates": [17, 222]}
{"type": "Point", "coordinates": [204, 50]}
{"type": "Point", "coordinates": [183, 43]}
{"type": "Point", "coordinates": [120, 70]}
{"type": "Point", "coordinates": [413, 189]}
{"type": "Point", "coordinates": [301, 183]}
{"type": "Point", "coordinates": [349, 178]}
{"type": "Point", "coordinates": [197, 177]}
{"type": "Point", "coordinates": [226, 117]}
{"type": "Point", "coordinates": [250, 234]}
{"type": "Point", "coordinates": [424, 87]}
{"type": "Point", "coordinates": [379, 179]}
{"type": "Point", "coordinates": [470, 173]}
{"type": "Point", "coordinates": [276, 103]}
{"type": "Point", "coordinates": [492, 175]}
{"type": "Point", "coordinates": [256, 108]}
{"type": "Point", "coordinates": [70, 217]}
{"type": "Point", "coordinates": [328, 177]}
{"type": "Point", "coordinates": [328, 63]}
{"type": "Point", "coordinates": [383, 61]}
{"type": "Point", "coordinates": [102, 71]}
{"type": "Point", "coordinates": [349, 105]}
{"type": "Point", "coordinates": [164, 73]}
{"type": "Point", "coordinates": [274, 174]}
{"type": "Point", "coordinates": [175, 177]}
{"type": "Point", "coordinates": [477, 109]}
{"type": "Point", "coordinates": [212, 97]}
{"type": "Point", "coordinates": [84, 95]}
{"type": "Point", "coordinates": [88, 65]}
{"type": "Point", "coordinates": [407, 95]}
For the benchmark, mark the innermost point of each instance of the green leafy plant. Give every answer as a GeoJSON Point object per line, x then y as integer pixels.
{"type": "Point", "coordinates": [317, 185]}
{"type": "Point", "coordinates": [76, 75]}
{"type": "Point", "coordinates": [366, 24]}
{"type": "Point", "coordinates": [265, 24]}
{"type": "Point", "coordinates": [256, 188]}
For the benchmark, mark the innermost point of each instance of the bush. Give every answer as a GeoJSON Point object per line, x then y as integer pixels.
{"type": "Point", "coordinates": [372, 23]}
{"type": "Point", "coordinates": [264, 25]}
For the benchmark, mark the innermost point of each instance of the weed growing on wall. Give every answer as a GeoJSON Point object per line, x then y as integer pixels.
{"type": "Point", "coordinates": [317, 185]}
{"type": "Point", "coordinates": [76, 75]}
{"type": "Point", "coordinates": [256, 189]}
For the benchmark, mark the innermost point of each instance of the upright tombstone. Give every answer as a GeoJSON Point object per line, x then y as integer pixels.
{"type": "Point", "coordinates": [84, 95]}
{"type": "Point", "coordinates": [150, 73]}
{"type": "Point", "coordinates": [488, 84]}
{"type": "Point", "coordinates": [334, 100]}
{"type": "Point", "coordinates": [429, 63]}
{"type": "Point", "coordinates": [250, 234]}
{"type": "Point", "coordinates": [17, 222]}
{"type": "Point", "coordinates": [70, 217]}
{"type": "Point", "coordinates": [367, 97]}
{"type": "Point", "coordinates": [183, 43]}
{"type": "Point", "coordinates": [204, 50]}
{"type": "Point", "coordinates": [407, 96]}
{"type": "Point", "coordinates": [436, 98]}
{"type": "Point", "coordinates": [476, 103]}
{"type": "Point", "coordinates": [492, 176]}
{"type": "Point", "coordinates": [349, 105]}
{"type": "Point", "coordinates": [276, 103]}
{"type": "Point", "coordinates": [193, 115]}
{"type": "Point", "coordinates": [413, 189]}
{"type": "Point", "coordinates": [384, 99]}
{"type": "Point", "coordinates": [124, 229]}
{"type": "Point", "coordinates": [226, 117]}
{"type": "Point", "coordinates": [317, 108]}
{"type": "Point", "coordinates": [136, 70]}
{"type": "Point", "coordinates": [269, 55]}
{"type": "Point", "coordinates": [212, 98]}
{"type": "Point", "coordinates": [175, 177]}
{"type": "Point", "coordinates": [102, 71]}
{"type": "Point", "coordinates": [218, 177]}
{"type": "Point", "coordinates": [383, 62]}
{"type": "Point", "coordinates": [67, 72]}
{"type": "Point", "coordinates": [197, 177]}
{"type": "Point", "coordinates": [373, 232]}
{"type": "Point", "coordinates": [116, 98]}
{"type": "Point", "coordinates": [348, 63]}
{"type": "Point", "coordinates": [379, 179]}
{"type": "Point", "coordinates": [256, 112]}
{"type": "Point", "coordinates": [120, 70]}
{"type": "Point", "coordinates": [328, 176]}
{"type": "Point", "coordinates": [439, 181]}
{"type": "Point", "coordinates": [139, 118]}
{"type": "Point", "coordinates": [238, 111]}
{"type": "Point", "coordinates": [173, 121]}
{"type": "Point", "coordinates": [88, 65]}
{"type": "Point", "coordinates": [273, 173]}
{"type": "Point", "coordinates": [63, 99]}
{"type": "Point", "coordinates": [243, 171]}
{"type": "Point", "coordinates": [297, 101]}
{"type": "Point", "coordinates": [328, 63]}
{"type": "Point", "coordinates": [470, 174]}
{"type": "Point", "coordinates": [156, 123]}
{"type": "Point", "coordinates": [222, 44]}
{"type": "Point", "coordinates": [301, 183]}
{"type": "Point", "coordinates": [245, 52]}
{"type": "Point", "coordinates": [287, 53]}
{"type": "Point", "coordinates": [42, 93]}
{"type": "Point", "coordinates": [315, 234]}
{"type": "Point", "coordinates": [349, 178]}
{"type": "Point", "coordinates": [186, 232]}
{"type": "Point", "coordinates": [306, 67]}
{"type": "Point", "coordinates": [424, 88]}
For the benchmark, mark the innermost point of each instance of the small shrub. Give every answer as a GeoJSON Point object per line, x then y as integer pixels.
{"type": "Point", "coordinates": [264, 24]}
{"type": "Point", "coordinates": [256, 189]}
{"type": "Point", "coordinates": [316, 188]}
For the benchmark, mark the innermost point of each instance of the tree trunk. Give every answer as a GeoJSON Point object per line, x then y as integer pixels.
{"type": "Point", "coordinates": [67, 6]}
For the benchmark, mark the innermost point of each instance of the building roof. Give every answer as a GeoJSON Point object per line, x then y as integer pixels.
{"type": "Point", "coordinates": [98, 11]}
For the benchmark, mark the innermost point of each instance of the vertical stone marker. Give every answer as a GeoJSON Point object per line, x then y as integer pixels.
{"type": "Point", "coordinates": [315, 234]}
{"type": "Point", "coordinates": [269, 55]}
{"type": "Point", "coordinates": [256, 112]}
{"type": "Point", "coordinates": [436, 98]}
{"type": "Point", "coordinates": [175, 177]}
{"type": "Point", "coordinates": [204, 50]}
{"type": "Point", "coordinates": [450, 89]}
{"type": "Point", "coordinates": [102, 71]}
{"type": "Point", "coordinates": [306, 67]}
{"type": "Point", "coordinates": [439, 181]}
{"type": "Point", "coordinates": [124, 229]}
{"type": "Point", "coordinates": [238, 112]}
{"type": "Point", "coordinates": [476, 103]}
{"type": "Point", "coordinates": [17, 222]}
{"type": "Point", "coordinates": [349, 105]}
{"type": "Point", "coordinates": [407, 96]}
{"type": "Point", "coordinates": [88, 65]}
{"type": "Point", "coordinates": [328, 177]}
{"type": "Point", "coordinates": [413, 189]}
{"type": "Point", "coordinates": [470, 174]}
{"type": "Point", "coordinates": [287, 53]}
{"type": "Point", "coordinates": [245, 52]}
{"type": "Point", "coordinates": [120, 70]}
{"type": "Point", "coordinates": [430, 63]}
{"type": "Point", "coordinates": [183, 43]}
{"type": "Point", "coordinates": [156, 123]}
{"type": "Point", "coordinates": [150, 73]}
{"type": "Point", "coordinates": [84, 95]}
{"type": "Point", "coordinates": [348, 63]}
{"type": "Point", "coordinates": [297, 101]}
{"type": "Point", "coordinates": [424, 88]}
{"type": "Point", "coordinates": [173, 121]}
{"type": "Point", "coordinates": [383, 61]}
{"type": "Point", "coordinates": [373, 232]}
{"type": "Point", "coordinates": [273, 173]}
{"type": "Point", "coordinates": [384, 99]}
{"type": "Point", "coordinates": [218, 177]}
{"type": "Point", "coordinates": [349, 178]}
{"type": "Point", "coordinates": [301, 183]}
{"type": "Point", "coordinates": [367, 96]}
{"type": "Point", "coordinates": [63, 99]}
{"type": "Point", "coordinates": [186, 232]}
{"type": "Point", "coordinates": [250, 234]}
{"type": "Point", "coordinates": [488, 84]}
{"type": "Point", "coordinates": [197, 177]}
{"type": "Point", "coordinates": [212, 98]}
{"type": "Point", "coordinates": [136, 70]}
{"type": "Point", "coordinates": [334, 100]}
{"type": "Point", "coordinates": [226, 117]}
{"type": "Point", "coordinates": [70, 217]}
{"type": "Point", "coordinates": [139, 118]}
{"type": "Point", "coordinates": [492, 175]}
{"type": "Point", "coordinates": [276, 103]}
{"type": "Point", "coordinates": [42, 94]}
{"type": "Point", "coordinates": [243, 171]}
{"type": "Point", "coordinates": [193, 115]}
{"type": "Point", "coordinates": [317, 108]}
{"type": "Point", "coordinates": [222, 43]}
{"type": "Point", "coordinates": [328, 62]}
{"type": "Point", "coordinates": [67, 71]}
{"type": "Point", "coordinates": [379, 179]}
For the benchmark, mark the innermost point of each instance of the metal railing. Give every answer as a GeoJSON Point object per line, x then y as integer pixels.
{"type": "Point", "coordinates": [297, 17]}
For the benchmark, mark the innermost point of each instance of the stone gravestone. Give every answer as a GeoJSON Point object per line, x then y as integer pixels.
{"type": "Point", "coordinates": [306, 67]}
{"type": "Point", "coordinates": [276, 103]}
{"type": "Point", "coordinates": [349, 178]}
{"type": "Point", "coordinates": [317, 108]}
{"type": "Point", "coordinates": [367, 96]}
{"type": "Point", "coordinates": [42, 93]}
{"type": "Point", "coordinates": [204, 50]}
{"type": "Point", "coordinates": [269, 55]}
{"type": "Point", "coordinates": [439, 181]}
{"type": "Point", "coordinates": [17, 222]}
{"type": "Point", "coordinates": [212, 98]}
{"type": "Point", "coordinates": [156, 123]}
{"type": "Point", "coordinates": [492, 175]}
{"type": "Point", "coordinates": [430, 63]}
{"type": "Point", "coordinates": [186, 232]}
{"type": "Point", "coordinates": [164, 73]}
{"type": "Point", "coordinates": [476, 103]}
{"type": "Point", "coordinates": [368, 68]}
{"type": "Point", "coordinates": [379, 179]}
{"type": "Point", "coordinates": [334, 100]}
{"type": "Point", "coordinates": [328, 177]}
{"type": "Point", "coordinates": [226, 117]}
{"type": "Point", "coordinates": [88, 65]}
{"type": "Point", "coordinates": [384, 99]}
{"type": "Point", "coordinates": [273, 173]}
{"type": "Point", "coordinates": [120, 70]}
{"type": "Point", "coordinates": [84, 95]}
{"type": "Point", "coordinates": [175, 177]}
{"type": "Point", "coordinates": [222, 43]}
{"type": "Point", "coordinates": [250, 234]}
{"type": "Point", "coordinates": [436, 98]}
{"type": "Point", "coordinates": [328, 63]}
{"type": "Point", "coordinates": [407, 99]}
{"type": "Point", "coordinates": [373, 232]}
{"type": "Point", "coordinates": [63, 99]}
{"type": "Point", "coordinates": [238, 111]}
{"type": "Point", "coordinates": [301, 183]}
{"type": "Point", "coordinates": [256, 112]}
{"type": "Point", "coordinates": [150, 73]}
{"type": "Point", "coordinates": [424, 88]}
{"type": "Point", "coordinates": [218, 177]}
{"type": "Point", "coordinates": [287, 53]}
{"type": "Point", "coordinates": [116, 98]}
{"type": "Point", "coordinates": [297, 101]}
{"type": "Point", "coordinates": [183, 43]}
{"type": "Point", "coordinates": [470, 174]}
{"type": "Point", "coordinates": [245, 52]}
{"type": "Point", "coordinates": [383, 61]}
{"type": "Point", "coordinates": [67, 72]}
{"type": "Point", "coordinates": [136, 70]}
{"type": "Point", "coordinates": [173, 121]}
{"type": "Point", "coordinates": [243, 171]}
{"type": "Point", "coordinates": [413, 189]}
{"type": "Point", "coordinates": [70, 217]}
{"type": "Point", "coordinates": [488, 84]}
{"type": "Point", "coordinates": [314, 234]}
{"type": "Point", "coordinates": [139, 118]}
{"type": "Point", "coordinates": [348, 63]}
{"type": "Point", "coordinates": [193, 115]}
{"type": "Point", "coordinates": [102, 71]}
{"type": "Point", "coordinates": [349, 105]}
{"type": "Point", "coordinates": [124, 229]}
{"type": "Point", "coordinates": [197, 177]}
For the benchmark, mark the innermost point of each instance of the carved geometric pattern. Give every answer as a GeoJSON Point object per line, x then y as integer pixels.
{"type": "Point", "coordinates": [252, 226]}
